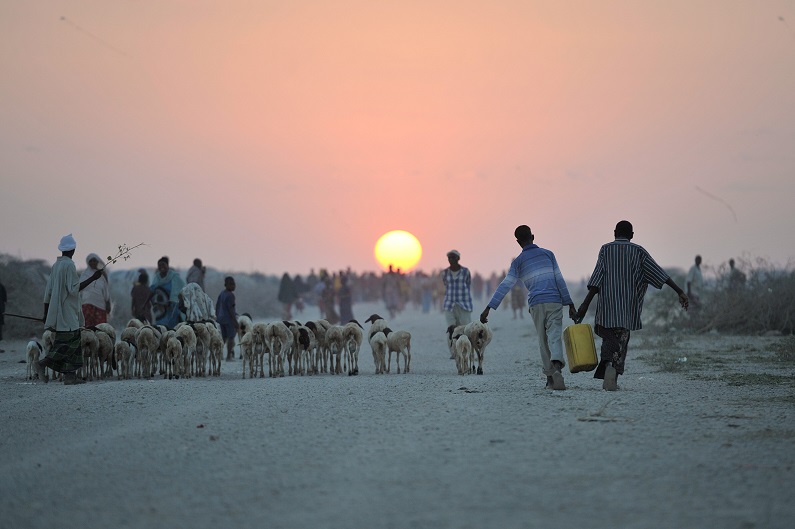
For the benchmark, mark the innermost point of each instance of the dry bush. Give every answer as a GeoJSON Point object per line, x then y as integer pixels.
{"type": "Point", "coordinates": [785, 350]}
{"type": "Point", "coordinates": [764, 303]}
{"type": "Point", "coordinates": [661, 309]}
{"type": "Point", "coordinates": [24, 282]}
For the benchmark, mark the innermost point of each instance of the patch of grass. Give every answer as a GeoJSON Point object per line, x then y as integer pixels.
{"type": "Point", "coordinates": [664, 342]}
{"type": "Point", "coordinates": [667, 342]}
{"type": "Point", "coordinates": [701, 376]}
{"type": "Point", "coordinates": [768, 433]}
{"type": "Point", "coordinates": [785, 350]}
{"type": "Point", "coordinates": [671, 362]}
{"type": "Point", "coordinates": [781, 399]}
{"type": "Point", "coordinates": [756, 379]}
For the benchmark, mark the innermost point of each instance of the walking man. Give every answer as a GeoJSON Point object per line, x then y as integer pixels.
{"type": "Point", "coordinates": [538, 269]}
{"type": "Point", "coordinates": [623, 272]}
{"type": "Point", "coordinates": [457, 291]}
{"type": "Point", "coordinates": [63, 316]}
{"type": "Point", "coordinates": [227, 316]}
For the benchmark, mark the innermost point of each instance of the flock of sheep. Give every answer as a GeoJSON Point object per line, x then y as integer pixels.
{"type": "Point", "coordinates": [318, 347]}
{"type": "Point", "coordinates": [293, 348]}
{"type": "Point", "coordinates": [142, 351]}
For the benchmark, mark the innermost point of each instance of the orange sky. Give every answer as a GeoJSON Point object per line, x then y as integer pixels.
{"type": "Point", "coordinates": [289, 135]}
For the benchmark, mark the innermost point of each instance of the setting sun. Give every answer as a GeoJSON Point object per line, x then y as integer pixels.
{"type": "Point", "coordinates": [398, 248]}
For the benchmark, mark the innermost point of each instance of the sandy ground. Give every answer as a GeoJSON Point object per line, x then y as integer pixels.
{"type": "Point", "coordinates": [706, 442]}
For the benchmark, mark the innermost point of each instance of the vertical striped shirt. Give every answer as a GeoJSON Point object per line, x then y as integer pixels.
{"type": "Point", "coordinates": [457, 289]}
{"type": "Point", "coordinates": [538, 269]}
{"type": "Point", "coordinates": [623, 272]}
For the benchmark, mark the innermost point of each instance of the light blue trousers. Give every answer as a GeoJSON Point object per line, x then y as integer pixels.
{"type": "Point", "coordinates": [548, 319]}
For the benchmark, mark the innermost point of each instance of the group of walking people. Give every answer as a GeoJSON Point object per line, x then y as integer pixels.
{"type": "Point", "coordinates": [619, 280]}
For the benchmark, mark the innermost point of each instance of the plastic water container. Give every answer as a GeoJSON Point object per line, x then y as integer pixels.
{"type": "Point", "coordinates": [580, 347]}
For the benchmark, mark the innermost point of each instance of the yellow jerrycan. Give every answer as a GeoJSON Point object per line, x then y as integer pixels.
{"type": "Point", "coordinates": [580, 347]}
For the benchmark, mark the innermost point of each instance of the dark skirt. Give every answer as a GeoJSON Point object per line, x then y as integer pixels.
{"type": "Point", "coordinates": [615, 341]}
{"type": "Point", "coordinates": [66, 354]}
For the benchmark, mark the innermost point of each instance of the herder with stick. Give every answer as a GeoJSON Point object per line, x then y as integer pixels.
{"type": "Point", "coordinates": [62, 315]}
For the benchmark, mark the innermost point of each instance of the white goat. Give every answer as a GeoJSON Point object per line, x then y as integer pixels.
{"type": "Point", "coordinates": [175, 348]}
{"type": "Point", "coordinates": [108, 329]}
{"type": "Point", "coordinates": [202, 347]}
{"type": "Point", "coordinates": [398, 342]}
{"type": "Point", "coordinates": [280, 343]}
{"type": "Point", "coordinates": [247, 351]}
{"type": "Point", "coordinates": [135, 323]}
{"type": "Point", "coordinates": [480, 336]}
{"type": "Point", "coordinates": [188, 348]}
{"type": "Point", "coordinates": [463, 350]}
{"type": "Point", "coordinates": [147, 341]}
{"type": "Point", "coordinates": [34, 350]}
{"type": "Point", "coordinates": [89, 345]}
{"type": "Point", "coordinates": [353, 335]}
{"type": "Point", "coordinates": [48, 342]}
{"type": "Point", "coordinates": [216, 349]}
{"type": "Point", "coordinates": [452, 333]}
{"type": "Point", "coordinates": [159, 355]}
{"type": "Point", "coordinates": [318, 355]}
{"type": "Point", "coordinates": [259, 346]}
{"type": "Point", "coordinates": [104, 361]}
{"type": "Point", "coordinates": [128, 334]}
{"type": "Point", "coordinates": [377, 326]}
{"type": "Point", "coordinates": [304, 342]}
{"type": "Point", "coordinates": [335, 342]}
{"type": "Point", "coordinates": [378, 344]}
{"type": "Point", "coordinates": [124, 350]}
{"type": "Point", "coordinates": [244, 325]}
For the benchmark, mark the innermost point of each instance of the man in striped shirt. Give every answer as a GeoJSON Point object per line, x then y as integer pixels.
{"type": "Point", "coordinates": [546, 295]}
{"type": "Point", "coordinates": [623, 272]}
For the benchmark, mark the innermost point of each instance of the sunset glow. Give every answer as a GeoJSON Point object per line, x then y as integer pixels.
{"type": "Point", "coordinates": [398, 248]}
{"type": "Point", "coordinates": [309, 128]}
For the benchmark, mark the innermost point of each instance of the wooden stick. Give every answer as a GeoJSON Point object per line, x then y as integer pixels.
{"type": "Point", "coordinates": [23, 317]}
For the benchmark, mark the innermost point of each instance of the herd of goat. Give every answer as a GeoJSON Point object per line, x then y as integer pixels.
{"type": "Point", "coordinates": [196, 349]}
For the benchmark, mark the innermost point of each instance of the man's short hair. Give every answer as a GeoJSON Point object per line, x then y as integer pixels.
{"type": "Point", "coordinates": [229, 279]}
{"type": "Point", "coordinates": [523, 233]}
{"type": "Point", "coordinates": [197, 262]}
{"type": "Point", "coordinates": [624, 229]}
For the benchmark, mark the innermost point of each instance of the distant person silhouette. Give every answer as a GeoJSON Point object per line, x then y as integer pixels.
{"type": "Point", "coordinates": [196, 273]}
{"type": "Point", "coordinates": [736, 277]}
{"type": "Point", "coordinates": [694, 283]}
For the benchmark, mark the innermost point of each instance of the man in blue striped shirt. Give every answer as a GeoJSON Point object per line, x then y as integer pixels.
{"type": "Point", "coordinates": [623, 272]}
{"type": "Point", "coordinates": [546, 295]}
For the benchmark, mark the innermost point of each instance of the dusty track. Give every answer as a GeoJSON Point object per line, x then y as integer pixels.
{"type": "Point", "coordinates": [710, 446]}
